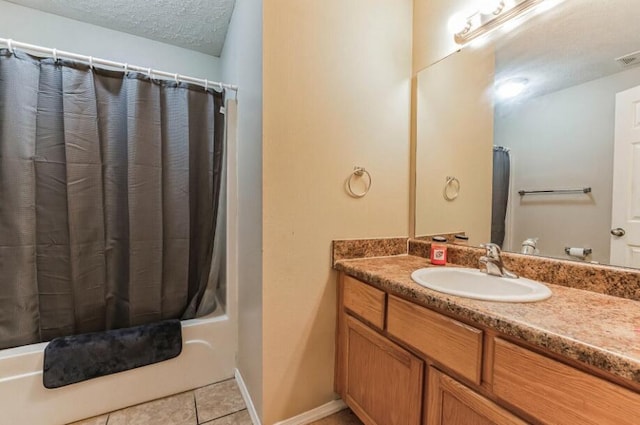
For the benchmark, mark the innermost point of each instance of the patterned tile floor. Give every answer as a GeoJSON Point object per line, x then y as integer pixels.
{"type": "Point", "coordinates": [217, 404]}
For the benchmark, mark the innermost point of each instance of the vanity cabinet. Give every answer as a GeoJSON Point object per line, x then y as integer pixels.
{"type": "Point", "coordinates": [398, 362]}
{"type": "Point", "coordinates": [452, 403]}
{"type": "Point", "coordinates": [383, 382]}
{"type": "Point", "coordinates": [455, 345]}
{"type": "Point", "coordinates": [555, 393]}
{"type": "Point", "coordinates": [364, 301]}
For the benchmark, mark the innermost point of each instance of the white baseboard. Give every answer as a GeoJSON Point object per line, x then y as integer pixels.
{"type": "Point", "coordinates": [255, 419]}
{"type": "Point", "coordinates": [315, 414]}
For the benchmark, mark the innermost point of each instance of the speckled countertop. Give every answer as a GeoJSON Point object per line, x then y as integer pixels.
{"type": "Point", "coordinates": [592, 328]}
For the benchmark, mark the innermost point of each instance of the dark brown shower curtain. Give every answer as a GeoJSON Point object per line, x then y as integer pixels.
{"type": "Point", "coordinates": [109, 191]}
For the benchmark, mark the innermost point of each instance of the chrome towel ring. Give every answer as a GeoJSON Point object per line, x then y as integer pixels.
{"type": "Point", "coordinates": [358, 172]}
{"type": "Point", "coordinates": [451, 189]}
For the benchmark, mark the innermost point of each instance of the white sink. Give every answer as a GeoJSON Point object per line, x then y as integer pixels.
{"type": "Point", "coordinates": [472, 283]}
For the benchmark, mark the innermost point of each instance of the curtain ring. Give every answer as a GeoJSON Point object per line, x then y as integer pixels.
{"type": "Point", "coordinates": [55, 55]}
{"type": "Point", "coordinates": [358, 172]}
{"type": "Point", "coordinates": [149, 73]}
{"type": "Point", "coordinates": [177, 78]}
{"type": "Point", "coordinates": [454, 183]}
{"type": "Point", "coordinates": [126, 69]}
{"type": "Point", "coordinates": [91, 62]}
{"type": "Point", "coordinates": [206, 85]}
{"type": "Point", "coordinates": [10, 45]}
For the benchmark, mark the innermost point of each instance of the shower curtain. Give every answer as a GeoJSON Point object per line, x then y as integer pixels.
{"type": "Point", "coordinates": [500, 197]}
{"type": "Point", "coordinates": [109, 197]}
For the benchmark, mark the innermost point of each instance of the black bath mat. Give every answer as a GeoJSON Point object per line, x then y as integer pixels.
{"type": "Point", "coordinates": [77, 358]}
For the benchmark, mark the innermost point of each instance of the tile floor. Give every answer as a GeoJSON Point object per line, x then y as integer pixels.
{"type": "Point", "coordinates": [216, 404]}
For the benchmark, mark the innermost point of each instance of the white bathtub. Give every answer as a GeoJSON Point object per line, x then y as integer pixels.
{"type": "Point", "coordinates": [207, 356]}
{"type": "Point", "coordinates": [208, 350]}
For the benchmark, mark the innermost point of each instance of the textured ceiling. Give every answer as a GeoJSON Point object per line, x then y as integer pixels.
{"type": "Point", "coordinates": [199, 25]}
{"type": "Point", "coordinates": [571, 44]}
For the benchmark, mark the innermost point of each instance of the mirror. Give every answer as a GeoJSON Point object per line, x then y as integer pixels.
{"type": "Point", "coordinates": [546, 109]}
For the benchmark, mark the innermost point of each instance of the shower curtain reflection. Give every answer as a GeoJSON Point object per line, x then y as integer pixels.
{"type": "Point", "coordinates": [110, 190]}
{"type": "Point", "coordinates": [500, 193]}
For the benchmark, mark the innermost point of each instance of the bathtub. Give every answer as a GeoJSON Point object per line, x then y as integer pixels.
{"type": "Point", "coordinates": [208, 351]}
{"type": "Point", "coordinates": [207, 356]}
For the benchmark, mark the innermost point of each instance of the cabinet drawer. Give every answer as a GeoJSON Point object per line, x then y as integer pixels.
{"type": "Point", "coordinates": [450, 343]}
{"type": "Point", "coordinates": [364, 301]}
{"type": "Point", "coordinates": [556, 393]}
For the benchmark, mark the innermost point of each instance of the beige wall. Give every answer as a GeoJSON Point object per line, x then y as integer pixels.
{"type": "Point", "coordinates": [564, 140]}
{"type": "Point", "coordinates": [432, 40]}
{"type": "Point", "coordinates": [242, 65]}
{"type": "Point", "coordinates": [336, 94]}
{"type": "Point", "coordinates": [48, 30]}
{"type": "Point", "coordinates": [455, 138]}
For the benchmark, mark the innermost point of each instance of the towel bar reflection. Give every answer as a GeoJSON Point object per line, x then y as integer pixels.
{"type": "Point", "coordinates": [554, 191]}
{"type": "Point", "coordinates": [451, 189]}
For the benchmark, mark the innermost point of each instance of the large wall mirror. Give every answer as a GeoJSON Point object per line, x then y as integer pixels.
{"type": "Point", "coordinates": [532, 140]}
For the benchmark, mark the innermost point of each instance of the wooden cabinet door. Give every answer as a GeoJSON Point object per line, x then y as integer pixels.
{"type": "Point", "coordinates": [451, 403]}
{"type": "Point", "coordinates": [383, 381]}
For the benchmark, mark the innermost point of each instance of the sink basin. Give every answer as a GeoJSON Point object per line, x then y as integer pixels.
{"type": "Point", "coordinates": [472, 283]}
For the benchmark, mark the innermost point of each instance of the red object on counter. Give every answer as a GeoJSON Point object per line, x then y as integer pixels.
{"type": "Point", "coordinates": [438, 254]}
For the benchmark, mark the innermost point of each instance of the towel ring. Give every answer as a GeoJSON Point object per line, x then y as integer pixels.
{"type": "Point", "coordinates": [358, 172]}
{"type": "Point", "coordinates": [452, 183]}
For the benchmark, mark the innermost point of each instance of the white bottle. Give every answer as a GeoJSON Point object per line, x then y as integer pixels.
{"type": "Point", "coordinates": [529, 246]}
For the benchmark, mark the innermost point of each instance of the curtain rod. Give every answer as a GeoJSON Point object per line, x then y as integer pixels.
{"type": "Point", "coordinates": [55, 53]}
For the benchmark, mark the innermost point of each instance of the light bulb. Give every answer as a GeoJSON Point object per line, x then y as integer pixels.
{"type": "Point", "coordinates": [491, 7]}
{"type": "Point", "coordinates": [511, 88]}
{"type": "Point", "coordinates": [459, 22]}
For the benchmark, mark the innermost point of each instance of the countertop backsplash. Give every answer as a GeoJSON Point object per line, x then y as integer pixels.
{"type": "Point", "coordinates": [608, 280]}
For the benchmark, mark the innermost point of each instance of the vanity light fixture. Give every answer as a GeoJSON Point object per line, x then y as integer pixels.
{"type": "Point", "coordinates": [462, 21]}
{"type": "Point", "coordinates": [491, 7]}
{"type": "Point", "coordinates": [490, 15]}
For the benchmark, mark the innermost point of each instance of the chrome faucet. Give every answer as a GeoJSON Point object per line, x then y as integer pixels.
{"type": "Point", "coordinates": [491, 263]}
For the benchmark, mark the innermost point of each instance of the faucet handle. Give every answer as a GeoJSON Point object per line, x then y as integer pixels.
{"type": "Point", "coordinates": [482, 263]}
{"type": "Point", "coordinates": [493, 250]}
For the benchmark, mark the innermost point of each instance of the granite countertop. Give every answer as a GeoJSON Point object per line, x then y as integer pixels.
{"type": "Point", "coordinates": [599, 330]}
